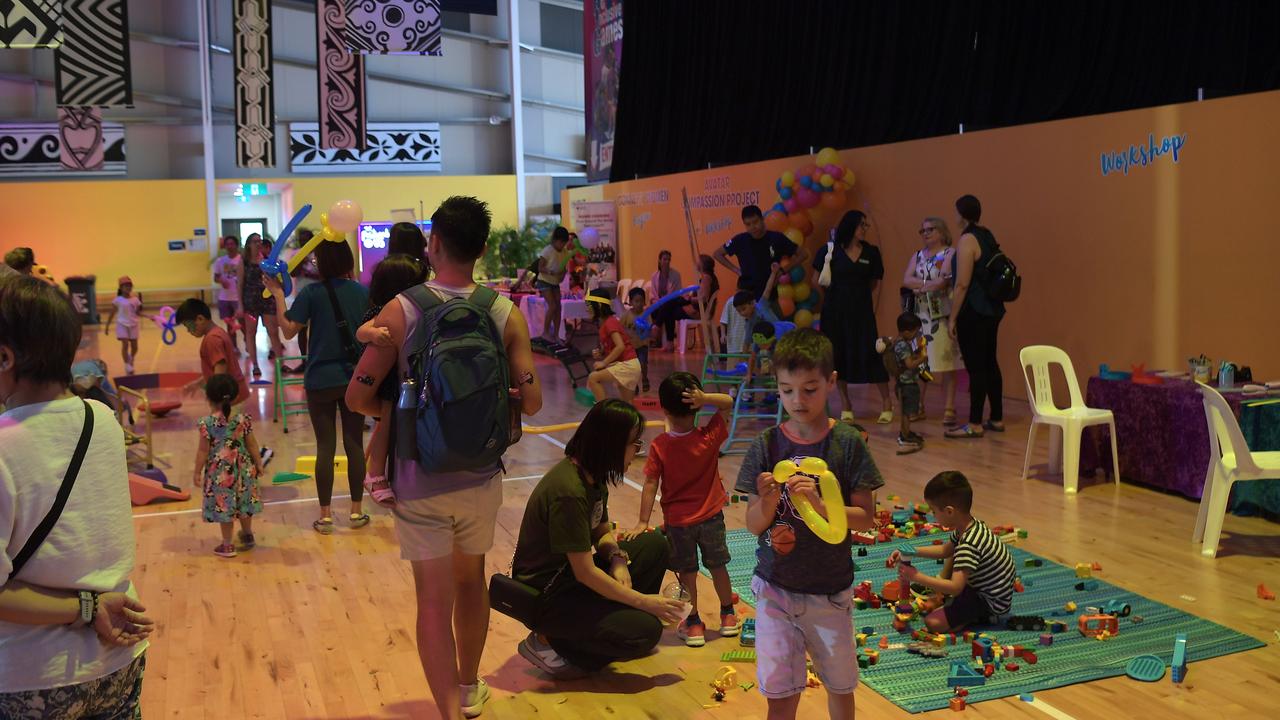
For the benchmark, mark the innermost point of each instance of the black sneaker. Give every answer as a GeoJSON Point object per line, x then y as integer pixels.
{"type": "Point", "coordinates": [917, 437]}
{"type": "Point", "coordinates": [266, 453]}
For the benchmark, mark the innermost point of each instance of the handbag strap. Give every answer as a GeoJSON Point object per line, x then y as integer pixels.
{"type": "Point", "coordinates": [348, 338]}
{"type": "Point", "coordinates": [64, 491]}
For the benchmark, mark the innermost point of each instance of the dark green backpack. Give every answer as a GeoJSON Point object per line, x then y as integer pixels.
{"type": "Point", "coordinates": [459, 366]}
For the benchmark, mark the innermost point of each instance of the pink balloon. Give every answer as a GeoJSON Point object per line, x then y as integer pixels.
{"type": "Point", "coordinates": [807, 198]}
{"type": "Point", "coordinates": [345, 216]}
{"type": "Point", "coordinates": [835, 171]}
{"type": "Point", "coordinates": [791, 204]}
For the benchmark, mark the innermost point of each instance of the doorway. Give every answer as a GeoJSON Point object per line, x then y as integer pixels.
{"type": "Point", "coordinates": [244, 227]}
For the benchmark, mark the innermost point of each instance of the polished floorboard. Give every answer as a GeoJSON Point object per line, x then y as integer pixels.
{"type": "Point", "coordinates": [308, 626]}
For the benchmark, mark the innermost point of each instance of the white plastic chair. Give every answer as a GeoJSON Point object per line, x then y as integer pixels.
{"type": "Point", "coordinates": [1230, 461]}
{"type": "Point", "coordinates": [1070, 421]}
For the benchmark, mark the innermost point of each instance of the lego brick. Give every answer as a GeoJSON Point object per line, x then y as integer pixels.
{"type": "Point", "coordinates": [1178, 666]}
{"type": "Point", "coordinates": [957, 704]}
{"type": "Point", "coordinates": [1046, 639]}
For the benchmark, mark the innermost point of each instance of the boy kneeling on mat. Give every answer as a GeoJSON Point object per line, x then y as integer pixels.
{"type": "Point", "coordinates": [978, 574]}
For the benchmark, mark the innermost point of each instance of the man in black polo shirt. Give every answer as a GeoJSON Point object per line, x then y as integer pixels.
{"type": "Point", "coordinates": [757, 250]}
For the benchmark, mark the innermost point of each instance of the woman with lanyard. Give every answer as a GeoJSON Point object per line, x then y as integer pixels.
{"type": "Point", "coordinates": [330, 309]}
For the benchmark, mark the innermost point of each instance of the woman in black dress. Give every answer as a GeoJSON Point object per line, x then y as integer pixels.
{"type": "Point", "coordinates": [849, 310]}
{"type": "Point", "coordinates": [255, 306]}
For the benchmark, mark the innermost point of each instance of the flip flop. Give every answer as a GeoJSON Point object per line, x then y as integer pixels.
{"type": "Point", "coordinates": [949, 418]}
{"type": "Point", "coordinates": [993, 427]}
{"type": "Point", "coordinates": [885, 418]}
{"type": "Point", "coordinates": [964, 432]}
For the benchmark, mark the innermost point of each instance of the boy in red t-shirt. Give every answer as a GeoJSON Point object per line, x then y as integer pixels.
{"type": "Point", "coordinates": [616, 359]}
{"type": "Point", "coordinates": [685, 463]}
{"type": "Point", "coordinates": [217, 353]}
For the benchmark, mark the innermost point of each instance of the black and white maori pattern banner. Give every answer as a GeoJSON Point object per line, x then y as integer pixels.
{"type": "Point", "coordinates": [393, 27]}
{"type": "Point", "coordinates": [93, 66]}
{"type": "Point", "coordinates": [80, 132]}
{"type": "Point", "coordinates": [391, 148]}
{"type": "Point", "coordinates": [35, 150]}
{"type": "Point", "coordinates": [341, 78]}
{"type": "Point", "coordinates": [30, 23]}
{"type": "Point", "coordinates": [255, 100]}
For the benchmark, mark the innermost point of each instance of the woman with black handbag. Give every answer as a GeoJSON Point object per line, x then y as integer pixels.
{"type": "Point", "coordinates": [72, 632]}
{"type": "Point", "coordinates": [588, 599]}
{"type": "Point", "coordinates": [330, 310]}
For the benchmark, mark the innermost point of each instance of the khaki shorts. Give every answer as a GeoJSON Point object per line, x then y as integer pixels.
{"type": "Point", "coordinates": [627, 373]}
{"type": "Point", "coordinates": [462, 520]}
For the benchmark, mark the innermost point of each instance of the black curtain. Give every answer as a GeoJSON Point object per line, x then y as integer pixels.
{"type": "Point", "coordinates": [717, 82]}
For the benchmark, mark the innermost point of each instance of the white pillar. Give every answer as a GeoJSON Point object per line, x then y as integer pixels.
{"type": "Point", "coordinates": [206, 125]}
{"type": "Point", "coordinates": [517, 108]}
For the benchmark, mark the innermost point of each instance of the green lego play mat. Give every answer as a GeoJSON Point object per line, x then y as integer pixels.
{"type": "Point", "coordinates": [917, 684]}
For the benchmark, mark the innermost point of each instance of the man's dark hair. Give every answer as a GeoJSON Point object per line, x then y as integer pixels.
{"type": "Point", "coordinates": [631, 294]}
{"type": "Point", "coordinates": [38, 323]}
{"type": "Point", "coordinates": [20, 259]}
{"type": "Point", "coordinates": [462, 224]}
{"type": "Point", "coordinates": [334, 260]}
{"type": "Point", "coordinates": [393, 275]}
{"type": "Point", "coordinates": [908, 321]}
{"type": "Point", "coordinates": [560, 233]}
{"type": "Point", "coordinates": [764, 328]}
{"type": "Point", "coordinates": [190, 309]}
{"type": "Point", "coordinates": [671, 393]}
{"type": "Point", "coordinates": [407, 238]}
{"type": "Point", "coordinates": [969, 208]}
{"type": "Point", "coordinates": [804, 349]}
{"type": "Point", "coordinates": [743, 297]}
{"type": "Point", "coordinates": [751, 211]}
{"type": "Point", "coordinates": [600, 444]}
{"type": "Point", "coordinates": [949, 487]}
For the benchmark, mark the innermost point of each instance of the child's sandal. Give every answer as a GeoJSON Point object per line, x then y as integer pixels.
{"type": "Point", "coordinates": [379, 488]}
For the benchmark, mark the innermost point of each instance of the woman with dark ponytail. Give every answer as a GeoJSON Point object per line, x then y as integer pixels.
{"type": "Point", "coordinates": [228, 466]}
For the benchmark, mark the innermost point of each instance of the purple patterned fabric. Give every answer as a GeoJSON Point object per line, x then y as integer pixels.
{"type": "Point", "coordinates": [1160, 432]}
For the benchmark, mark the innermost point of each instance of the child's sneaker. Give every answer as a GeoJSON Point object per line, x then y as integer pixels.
{"type": "Point", "coordinates": [729, 625]}
{"type": "Point", "coordinates": [473, 698]}
{"type": "Point", "coordinates": [247, 540]}
{"type": "Point", "coordinates": [266, 453]}
{"type": "Point", "coordinates": [906, 446]}
{"type": "Point", "coordinates": [693, 635]}
{"type": "Point", "coordinates": [226, 550]}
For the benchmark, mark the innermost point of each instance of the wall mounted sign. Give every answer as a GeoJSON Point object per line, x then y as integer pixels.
{"type": "Point", "coordinates": [389, 148]}
{"type": "Point", "coordinates": [1142, 155]}
{"type": "Point", "coordinates": [92, 64]}
{"type": "Point", "coordinates": [255, 99]}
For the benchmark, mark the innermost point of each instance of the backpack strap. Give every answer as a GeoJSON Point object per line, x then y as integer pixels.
{"type": "Point", "coordinates": [483, 297]}
{"type": "Point", "coordinates": [422, 297]}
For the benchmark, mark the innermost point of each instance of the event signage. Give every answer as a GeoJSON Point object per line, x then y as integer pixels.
{"type": "Point", "coordinates": [597, 226]}
{"type": "Point", "coordinates": [602, 50]}
{"type": "Point", "coordinates": [373, 244]}
{"type": "Point", "coordinates": [1143, 154]}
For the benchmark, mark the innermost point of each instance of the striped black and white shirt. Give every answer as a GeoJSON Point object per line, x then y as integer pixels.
{"type": "Point", "coordinates": [987, 564]}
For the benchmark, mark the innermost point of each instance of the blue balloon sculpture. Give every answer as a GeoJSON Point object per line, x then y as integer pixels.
{"type": "Point", "coordinates": [273, 266]}
{"type": "Point", "coordinates": [642, 322]}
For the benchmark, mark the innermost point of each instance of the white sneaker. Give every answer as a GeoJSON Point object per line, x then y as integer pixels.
{"type": "Point", "coordinates": [128, 368]}
{"type": "Point", "coordinates": [267, 453]}
{"type": "Point", "coordinates": [544, 657]}
{"type": "Point", "coordinates": [474, 697]}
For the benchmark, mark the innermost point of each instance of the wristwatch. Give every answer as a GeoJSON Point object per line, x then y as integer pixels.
{"type": "Point", "coordinates": [88, 606]}
{"type": "Point", "coordinates": [619, 552]}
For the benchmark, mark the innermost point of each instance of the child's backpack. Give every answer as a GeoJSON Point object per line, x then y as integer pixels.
{"type": "Point", "coordinates": [459, 366]}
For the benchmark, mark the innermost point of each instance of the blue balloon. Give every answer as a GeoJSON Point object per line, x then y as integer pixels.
{"type": "Point", "coordinates": [168, 335]}
{"type": "Point", "coordinates": [779, 207]}
{"type": "Point", "coordinates": [273, 265]}
{"type": "Point", "coordinates": [642, 322]}
{"type": "Point", "coordinates": [785, 193]}
{"type": "Point", "coordinates": [777, 184]}
{"type": "Point", "coordinates": [806, 181]}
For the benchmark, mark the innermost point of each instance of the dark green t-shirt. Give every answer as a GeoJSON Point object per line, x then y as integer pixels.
{"type": "Point", "coordinates": [328, 365]}
{"type": "Point", "coordinates": [559, 518]}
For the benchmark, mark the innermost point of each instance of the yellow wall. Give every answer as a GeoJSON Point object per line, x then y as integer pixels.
{"type": "Point", "coordinates": [1163, 263]}
{"type": "Point", "coordinates": [114, 227]}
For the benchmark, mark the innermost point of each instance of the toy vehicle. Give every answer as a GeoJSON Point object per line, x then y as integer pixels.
{"type": "Point", "coordinates": [1117, 608]}
{"type": "Point", "coordinates": [1027, 623]}
{"type": "Point", "coordinates": [1095, 625]}
{"type": "Point", "coordinates": [747, 636]}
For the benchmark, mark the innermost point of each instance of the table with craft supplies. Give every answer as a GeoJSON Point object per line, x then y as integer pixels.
{"type": "Point", "coordinates": [1163, 438]}
{"type": "Point", "coordinates": [535, 309]}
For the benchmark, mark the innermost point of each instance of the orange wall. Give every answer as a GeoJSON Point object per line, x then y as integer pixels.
{"type": "Point", "coordinates": [1166, 262]}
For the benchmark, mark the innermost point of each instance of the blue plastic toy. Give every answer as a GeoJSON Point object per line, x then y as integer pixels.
{"type": "Point", "coordinates": [1179, 664]}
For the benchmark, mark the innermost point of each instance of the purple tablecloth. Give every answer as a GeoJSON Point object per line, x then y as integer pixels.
{"type": "Point", "coordinates": [1160, 433]}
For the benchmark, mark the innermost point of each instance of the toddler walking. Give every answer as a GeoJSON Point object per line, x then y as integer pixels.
{"type": "Point", "coordinates": [129, 307]}
{"type": "Point", "coordinates": [228, 466]}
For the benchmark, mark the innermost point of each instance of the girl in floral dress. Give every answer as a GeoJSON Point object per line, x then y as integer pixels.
{"type": "Point", "coordinates": [228, 466]}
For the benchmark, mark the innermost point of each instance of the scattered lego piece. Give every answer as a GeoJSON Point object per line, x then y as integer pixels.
{"type": "Point", "coordinates": [868, 630]}
{"type": "Point", "coordinates": [884, 642]}
{"type": "Point", "coordinates": [1084, 570]}
{"type": "Point", "coordinates": [1135, 619]}
{"type": "Point", "coordinates": [1096, 567]}
{"type": "Point", "coordinates": [1070, 606]}
{"type": "Point", "coordinates": [1029, 658]}
{"type": "Point", "coordinates": [962, 692]}
{"type": "Point", "coordinates": [873, 656]}
{"type": "Point", "coordinates": [1188, 598]}
{"type": "Point", "coordinates": [988, 670]}
{"type": "Point", "coordinates": [1178, 665]}
{"type": "Point", "coordinates": [811, 680]}
{"type": "Point", "coordinates": [862, 552]}
{"type": "Point", "coordinates": [1046, 639]}
{"type": "Point", "coordinates": [863, 662]}
{"type": "Point", "coordinates": [1017, 585]}
{"type": "Point", "coordinates": [962, 675]}
{"type": "Point", "coordinates": [1099, 626]}
{"type": "Point", "coordinates": [1264, 593]}
{"type": "Point", "coordinates": [747, 635]}
{"type": "Point", "coordinates": [1057, 627]}
{"type": "Point", "coordinates": [957, 704]}
{"type": "Point", "coordinates": [1027, 697]}
{"type": "Point", "coordinates": [1088, 585]}
{"type": "Point", "coordinates": [1011, 667]}
{"type": "Point", "coordinates": [1022, 534]}
{"type": "Point", "coordinates": [746, 686]}
{"type": "Point", "coordinates": [742, 656]}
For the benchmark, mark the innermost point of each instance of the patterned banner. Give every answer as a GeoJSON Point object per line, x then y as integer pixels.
{"type": "Point", "coordinates": [93, 62]}
{"type": "Point", "coordinates": [393, 27]}
{"type": "Point", "coordinates": [255, 102]}
{"type": "Point", "coordinates": [36, 150]}
{"type": "Point", "coordinates": [391, 147]}
{"type": "Point", "coordinates": [30, 23]}
{"type": "Point", "coordinates": [80, 131]}
{"type": "Point", "coordinates": [341, 78]}
{"type": "Point", "coordinates": [602, 55]}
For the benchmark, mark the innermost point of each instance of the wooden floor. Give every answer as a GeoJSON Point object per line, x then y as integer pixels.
{"type": "Point", "coordinates": [307, 626]}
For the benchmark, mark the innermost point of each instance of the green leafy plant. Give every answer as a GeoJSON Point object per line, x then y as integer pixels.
{"type": "Point", "coordinates": [510, 250]}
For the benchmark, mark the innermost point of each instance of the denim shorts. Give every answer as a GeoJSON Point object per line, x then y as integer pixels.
{"type": "Point", "coordinates": [707, 537]}
{"type": "Point", "coordinates": [789, 624]}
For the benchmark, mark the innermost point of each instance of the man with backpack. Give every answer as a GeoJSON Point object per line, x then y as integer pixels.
{"type": "Point", "coordinates": [984, 280]}
{"type": "Point", "coordinates": [467, 368]}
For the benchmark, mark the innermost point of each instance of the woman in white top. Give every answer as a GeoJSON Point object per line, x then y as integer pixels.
{"type": "Point", "coordinates": [72, 636]}
{"type": "Point", "coordinates": [929, 274]}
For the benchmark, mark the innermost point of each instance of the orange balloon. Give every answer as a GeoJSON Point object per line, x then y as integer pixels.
{"type": "Point", "coordinates": [776, 221]}
{"type": "Point", "coordinates": [832, 200]}
{"type": "Point", "coordinates": [794, 235]}
{"type": "Point", "coordinates": [799, 220]}
{"type": "Point", "coordinates": [785, 304]}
